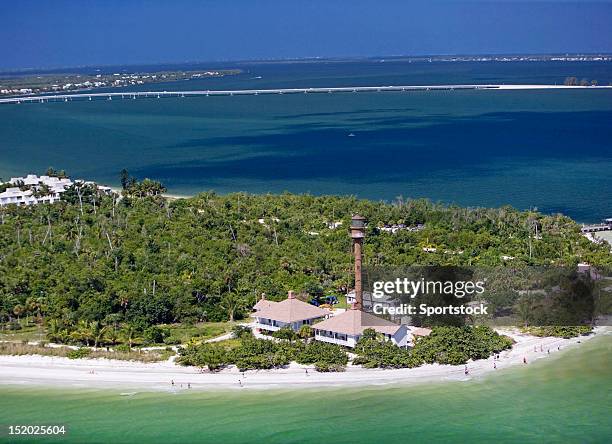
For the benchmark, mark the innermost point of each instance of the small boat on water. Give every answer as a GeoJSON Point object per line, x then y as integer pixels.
{"type": "Point", "coordinates": [351, 135]}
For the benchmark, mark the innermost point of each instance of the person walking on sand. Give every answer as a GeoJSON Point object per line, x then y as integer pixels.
{"type": "Point", "coordinates": [172, 382]}
{"type": "Point", "coordinates": [466, 371]}
{"type": "Point", "coordinates": [524, 360]}
{"type": "Point", "coordinates": [240, 383]}
{"type": "Point", "coordinates": [495, 365]}
{"type": "Point", "coordinates": [306, 372]}
{"type": "Point", "coordinates": [549, 351]}
{"type": "Point", "coordinates": [189, 385]}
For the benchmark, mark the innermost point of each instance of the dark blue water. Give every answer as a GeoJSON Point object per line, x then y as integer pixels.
{"type": "Point", "coordinates": [546, 149]}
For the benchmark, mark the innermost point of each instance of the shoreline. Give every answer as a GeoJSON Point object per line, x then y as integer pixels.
{"type": "Point", "coordinates": [172, 196]}
{"type": "Point", "coordinates": [46, 371]}
{"type": "Point", "coordinates": [175, 196]}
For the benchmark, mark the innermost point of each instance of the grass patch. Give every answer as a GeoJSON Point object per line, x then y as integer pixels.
{"type": "Point", "coordinates": [14, 349]}
{"type": "Point", "coordinates": [558, 331]}
{"type": "Point", "coordinates": [181, 333]}
{"type": "Point", "coordinates": [27, 332]}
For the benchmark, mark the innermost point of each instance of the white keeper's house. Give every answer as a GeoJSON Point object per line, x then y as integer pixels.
{"type": "Point", "coordinates": [347, 328]}
{"type": "Point", "coordinates": [272, 316]}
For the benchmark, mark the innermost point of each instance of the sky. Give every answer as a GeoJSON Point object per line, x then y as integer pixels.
{"type": "Point", "coordinates": [62, 33]}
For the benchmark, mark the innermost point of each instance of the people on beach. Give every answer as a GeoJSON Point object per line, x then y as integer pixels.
{"type": "Point", "coordinates": [189, 385]}
{"type": "Point", "coordinates": [495, 365]}
{"type": "Point", "coordinates": [549, 351]}
{"type": "Point", "coordinates": [466, 371]}
{"type": "Point", "coordinates": [524, 360]}
{"type": "Point", "coordinates": [172, 382]}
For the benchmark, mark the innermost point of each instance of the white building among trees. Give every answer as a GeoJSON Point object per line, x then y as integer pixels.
{"type": "Point", "coordinates": [347, 328]}
{"type": "Point", "coordinates": [33, 189]}
{"type": "Point", "coordinates": [293, 313]}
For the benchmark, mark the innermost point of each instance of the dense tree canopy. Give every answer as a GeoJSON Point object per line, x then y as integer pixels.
{"type": "Point", "coordinates": [147, 260]}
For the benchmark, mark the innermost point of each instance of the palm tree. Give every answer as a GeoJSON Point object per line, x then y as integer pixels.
{"type": "Point", "coordinates": [524, 308]}
{"type": "Point", "coordinates": [83, 333]}
{"type": "Point", "coordinates": [18, 310]}
{"type": "Point", "coordinates": [53, 330]}
{"type": "Point", "coordinates": [231, 303]}
{"type": "Point", "coordinates": [111, 334]}
{"type": "Point", "coordinates": [97, 331]}
{"type": "Point", "coordinates": [305, 332]}
{"type": "Point", "coordinates": [129, 333]}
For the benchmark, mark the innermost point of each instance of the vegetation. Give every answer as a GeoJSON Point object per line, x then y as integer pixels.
{"type": "Point", "coordinates": [445, 345]}
{"type": "Point", "coordinates": [15, 349]}
{"type": "Point", "coordinates": [101, 270]}
{"type": "Point", "coordinates": [374, 352]}
{"type": "Point", "coordinates": [326, 357]}
{"type": "Point", "coordinates": [68, 82]}
{"type": "Point", "coordinates": [79, 353]}
{"type": "Point", "coordinates": [286, 333]}
{"type": "Point", "coordinates": [147, 187]}
{"type": "Point", "coordinates": [559, 331]}
{"type": "Point", "coordinates": [573, 81]}
{"type": "Point", "coordinates": [250, 353]}
{"type": "Point", "coordinates": [457, 345]}
{"type": "Point", "coordinates": [240, 331]}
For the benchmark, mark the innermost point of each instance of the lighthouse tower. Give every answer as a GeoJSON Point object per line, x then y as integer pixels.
{"type": "Point", "coordinates": [357, 234]}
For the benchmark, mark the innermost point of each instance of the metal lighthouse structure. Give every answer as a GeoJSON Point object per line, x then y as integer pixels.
{"type": "Point", "coordinates": [358, 234]}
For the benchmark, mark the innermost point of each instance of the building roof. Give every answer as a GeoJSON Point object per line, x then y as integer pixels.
{"type": "Point", "coordinates": [354, 322]}
{"type": "Point", "coordinates": [15, 192]}
{"type": "Point", "coordinates": [263, 303]}
{"type": "Point", "coordinates": [290, 310]}
{"type": "Point", "coordinates": [420, 331]}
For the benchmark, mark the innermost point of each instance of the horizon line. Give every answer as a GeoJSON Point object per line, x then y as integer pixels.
{"type": "Point", "coordinates": [345, 58]}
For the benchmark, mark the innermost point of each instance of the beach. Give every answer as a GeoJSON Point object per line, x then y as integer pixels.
{"type": "Point", "coordinates": [103, 373]}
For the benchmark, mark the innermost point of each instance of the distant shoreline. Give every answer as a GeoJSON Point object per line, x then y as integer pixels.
{"type": "Point", "coordinates": [224, 64]}
{"type": "Point", "coordinates": [65, 373]}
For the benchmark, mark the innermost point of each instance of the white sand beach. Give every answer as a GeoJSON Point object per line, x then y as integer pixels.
{"type": "Point", "coordinates": [103, 373]}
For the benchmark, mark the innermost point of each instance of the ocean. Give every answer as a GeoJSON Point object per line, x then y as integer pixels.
{"type": "Point", "coordinates": [565, 398]}
{"type": "Point", "coordinates": [550, 150]}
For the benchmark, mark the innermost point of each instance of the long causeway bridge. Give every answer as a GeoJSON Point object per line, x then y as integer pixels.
{"type": "Point", "coordinates": [254, 92]}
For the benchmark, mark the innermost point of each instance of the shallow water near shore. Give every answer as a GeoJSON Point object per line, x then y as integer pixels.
{"type": "Point", "coordinates": [564, 398]}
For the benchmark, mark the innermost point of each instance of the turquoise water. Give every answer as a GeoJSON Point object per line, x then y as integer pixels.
{"type": "Point", "coordinates": [562, 399]}
{"type": "Point", "coordinates": [546, 149]}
